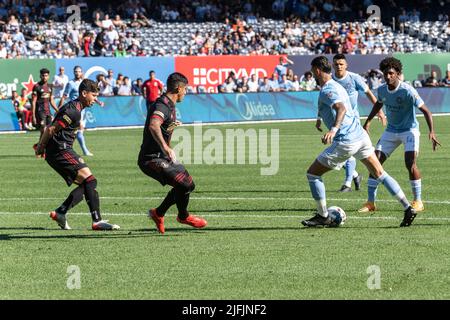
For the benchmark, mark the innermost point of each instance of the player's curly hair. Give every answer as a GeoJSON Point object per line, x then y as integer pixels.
{"type": "Point", "coordinates": [391, 63]}
{"type": "Point", "coordinates": [322, 63]}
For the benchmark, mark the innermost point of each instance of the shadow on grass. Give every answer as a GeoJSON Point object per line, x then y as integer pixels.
{"type": "Point", "coordinates": [67, 235]}
{"type": "Point", "coordinates": [251, 191]}
{"type": "Point", "coordinates": [254, 210]}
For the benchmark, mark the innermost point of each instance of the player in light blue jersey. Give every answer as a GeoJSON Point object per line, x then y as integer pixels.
{"type": "Point", "coordinates": [347, 139]}
{"type": "Point", "coordinates": [401, 101]}
{"type": "Point", "coordinates": [353, 84]}
{"type": "Point", "coordinates": [71, 92]}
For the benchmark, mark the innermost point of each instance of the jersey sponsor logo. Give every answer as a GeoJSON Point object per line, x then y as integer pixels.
{"type": "Point", "coordinates": [80, 160]}
{"type": "Point", "coordinates": [250, 110]}
{"type": "Point", "coordinates": [67, 118]}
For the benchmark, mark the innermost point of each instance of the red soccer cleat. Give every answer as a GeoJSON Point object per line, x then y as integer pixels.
{"type": "Point", "coordinates": [159, 221]}
{"type": "Point", "coordinates": [193, 221]}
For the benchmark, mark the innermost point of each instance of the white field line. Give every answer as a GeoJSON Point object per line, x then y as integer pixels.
{"type": "Point", "coordinates": [273, 216]}
{"type": "Point", "coordinates": [219, 198]}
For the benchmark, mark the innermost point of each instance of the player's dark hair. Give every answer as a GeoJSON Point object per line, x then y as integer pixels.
{"type": "Point", "coordinates": [76, 67]}
{"type": "Point", "coordinates": [174, 81]}
{"type": "Point", "coordinates": [339, 56]}
{"type": "Point", "coordinates": [322, 63]}
{"type": "Point", "coordinates": [88, 85]}
{"type": "Point", "coordinates": [151, 71]}
{"type": "Point", "coordinates": [44, 71]}
{"type": "Point", "coordinates": [391, 63]}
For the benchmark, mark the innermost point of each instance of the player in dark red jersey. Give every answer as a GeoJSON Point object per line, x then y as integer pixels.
{"type": "Point", "coordinates": [158, 160]}
{"type": "Point", "coordinates": [57, 142]}
{"type": "Point", "coordinates": [42, 99]}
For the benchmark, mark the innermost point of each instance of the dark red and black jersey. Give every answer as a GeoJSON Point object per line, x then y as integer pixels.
{"type": "Point", "coordinates": [68, 116]}
{"type": "Point", "coordinates": [43, 92]}
{"type": "Point", "coordinates": [163, 110]}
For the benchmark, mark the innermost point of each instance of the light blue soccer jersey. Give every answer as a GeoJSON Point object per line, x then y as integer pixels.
{"type": "Point", "coordinates": [353, 83]}
{"type": "Point", "coordinates": [330, 94]}
{"type": "Point", "coordinates": [71, 89]}
{"type": "Point", "coordinates": [401, 104]}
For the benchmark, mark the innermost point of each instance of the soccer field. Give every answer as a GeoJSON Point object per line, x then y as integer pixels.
{"type": "Point", "coordinates": [254, 246]}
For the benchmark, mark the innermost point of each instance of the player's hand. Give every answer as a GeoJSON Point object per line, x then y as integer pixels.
{"type": "Point", "coordinates": [40, 150]}
{"type": "Point", "coordinates": [328, 137]}
{"type": "Point", "coordinates": [366, 127]}
{"type": "Point", "coordinates": [171, 154]}
{"type": "Point", "coordinates": [434, 140]}
{"type": "Point", "coordinates": [173, 125]}
{"type": "Point", "coordinates": [318, 124]}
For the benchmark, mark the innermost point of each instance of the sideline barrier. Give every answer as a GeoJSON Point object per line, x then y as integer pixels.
{"type": "Point", "coordinates": [131, 111]}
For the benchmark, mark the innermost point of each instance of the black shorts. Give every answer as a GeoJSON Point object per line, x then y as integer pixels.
{"type": "Point", "coordinates": [43, 119]}
{"type": "Point", "coordinates": [164, 170]}
{"type": "Point", "coordinates": [66, 163]}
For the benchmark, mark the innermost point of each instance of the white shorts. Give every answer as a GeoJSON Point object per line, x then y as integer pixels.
{"type": "Point", "coordinates": [335, 156]}
{"type": "Point", "coordinates": [389, 141]}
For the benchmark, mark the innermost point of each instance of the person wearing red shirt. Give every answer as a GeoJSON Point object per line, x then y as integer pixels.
{"type": "Point", "coordinates": [152, 89]}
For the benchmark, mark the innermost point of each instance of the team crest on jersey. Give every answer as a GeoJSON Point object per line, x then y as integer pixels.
{"type": "Point", "coordinates": [67, 118]}
{"type": "Point", "coordinates": [80, 160]}
{"type": "Point", "coordinates": [329, 94]}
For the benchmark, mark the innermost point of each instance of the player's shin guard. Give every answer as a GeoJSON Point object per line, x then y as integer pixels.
{"type": "Point", "coordinates": [80, 138]}
{"type": "Point", "coordinates": [318, 192]}
{"type": "Point", "coordinates": [92, 198]}
{"type": "Point", "coordinates": [74, 198]}
{"type": "Point", "coordinates": [350, 167]}
{"type": "Point", "coordinates": [372, 187]}
{"type": "Point", "coordinates": [394, 189]}
{"type": "Point", "coordinates": [168, 201]}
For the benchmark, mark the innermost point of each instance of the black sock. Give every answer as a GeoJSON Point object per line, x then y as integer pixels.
{"type": "Point", "coordinates": [182, 201]}
{"type": "Point", "coordinates": [168, 201]}
{"type": "Point", "coordinates": [72, 200]}
{"type": "Point", "coordinates": [92, 198]}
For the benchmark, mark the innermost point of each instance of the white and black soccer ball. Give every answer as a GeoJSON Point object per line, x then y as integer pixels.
{"type": "Point", "coordinates": [337, 216]}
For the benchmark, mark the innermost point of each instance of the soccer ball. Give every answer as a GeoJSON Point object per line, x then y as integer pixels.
{"type": "Point", "coordinates": [337, 216]}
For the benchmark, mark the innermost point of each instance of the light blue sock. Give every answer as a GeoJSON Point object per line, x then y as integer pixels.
{"type": "Point", "coordinates": [416, 186]}
{"type": "Point", "coordinates": [80, 138]}
{"type": "Point", "coordinates": [372, 187]}
{"type": "Point", "coordinates": [318, 192]}
{"type": "Point", "coordinates": [350, 167]}
{"type": "Point", "coordinates": [394, 189]}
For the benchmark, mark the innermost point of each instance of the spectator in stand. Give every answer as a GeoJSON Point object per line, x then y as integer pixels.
{"type": "Point", "coordinates": [100, 44]}
{"type": "Point", "coordinates": [20, 115]}
{"type": "Point", "coordinates": [432, 80]}
{"type": "Point", "coordinates": [285, 84]}
{"type": "Point", "coordinates": [374, 79]}
{"type": "Point", "coordinates": [125, 88]}
{"type": "Point", "coordinates": [281, 68]}
{"type": "Point", "coordinates": [295, 84]}
{"type": "Point", "coordinates": [105, 88]}
{"type": "Point", "coordinates": [152, 88]}
{"type": "Point", "coordinates": [265, 85]}
{"type": "Point", "coordinates": [446, 81]}
{"type": "Point", "coordinates": [242, 85]}
{"type": "Point", "coordinates": [25, 107]}
{"type": "Point", "coordinates": [120, 51]}
{"type": "Point", "coordinates": [60, 81]}
{"type": "Point", "coordinates": [308, 83]}
{"type": "Point", "coordinates": [136, 87]}
{"type": "Point", "coordinates": [87, 40]}
{"type": "Point", "coordinates": [274, 83]}
{"type": "Point", "coordinates": [253, 84]}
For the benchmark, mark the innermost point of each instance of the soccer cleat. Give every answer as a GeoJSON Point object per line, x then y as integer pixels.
{"type": "Point", "coordinates": [417, 205]}
{"type": "Point", "coordinates": [159, 221]}
{"type": "Point", "coordinates": [357, 182]}
{"type": "Point", "coordinates": [317, 221]}
{"type": "Point", "coordinates": [344, 188]}
{"type": "Point", "coordinates": [193, 221]}
{"type": "Point", "coordinates": [60, 219]}
{"type": "Point", "coordinates": [104, 225]}
{"type": "Point", "coordinates": [408, 218]}
{"type": "Point", "coordinates": [368, 207]}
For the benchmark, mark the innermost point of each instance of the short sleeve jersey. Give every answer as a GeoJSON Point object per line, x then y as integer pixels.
{"type": "Point", "coordinates": [330, 94]}
{"type": "Point", "coordinates": [43, 92]}
{"type": "Point", "coordinates": [401, 104]}
{"type": "Point", "coordinates": [353, 84]}
{"type": "Point", "coordinates": [163, 110]}
{"type": "Point", "coordinates": [68, 117]}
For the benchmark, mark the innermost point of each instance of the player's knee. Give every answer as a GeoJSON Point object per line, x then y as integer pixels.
{"type": "Point", "coordinates": [91, 181]}
{"type": "Point", "coordinates": [186, 185]}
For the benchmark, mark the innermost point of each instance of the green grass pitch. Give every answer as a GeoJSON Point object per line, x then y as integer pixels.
{"type": "Point", "coordinates": [254, 246]}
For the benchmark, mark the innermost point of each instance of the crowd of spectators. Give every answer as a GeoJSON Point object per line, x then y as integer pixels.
{"type": "Point", "coordinates": [39, 28]}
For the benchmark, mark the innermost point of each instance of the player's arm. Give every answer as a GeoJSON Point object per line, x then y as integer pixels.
{"type": "Point", "coordinates": [61, 101]}
{"type": "Point", "coordinates": [155, 130]}
{"type": "Point", "coordinates": [52, 103]}
{"type": "Point", "coordinates": [375, 110]}
{"type": "Point", "coordinates": [340, 109]}
{"type": "Point", "coordinates": [144, 92]}
{"type": "Point", "coordinates": [49, 132]}
{"type": "Point", "coordinates": [429, 119]}
{"type": "Point", "coordinates": [381, 116]}
{"type": "Point", "coordinates": [319, 123]}
{"type": "Point", "coordinates": [33, 107]}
